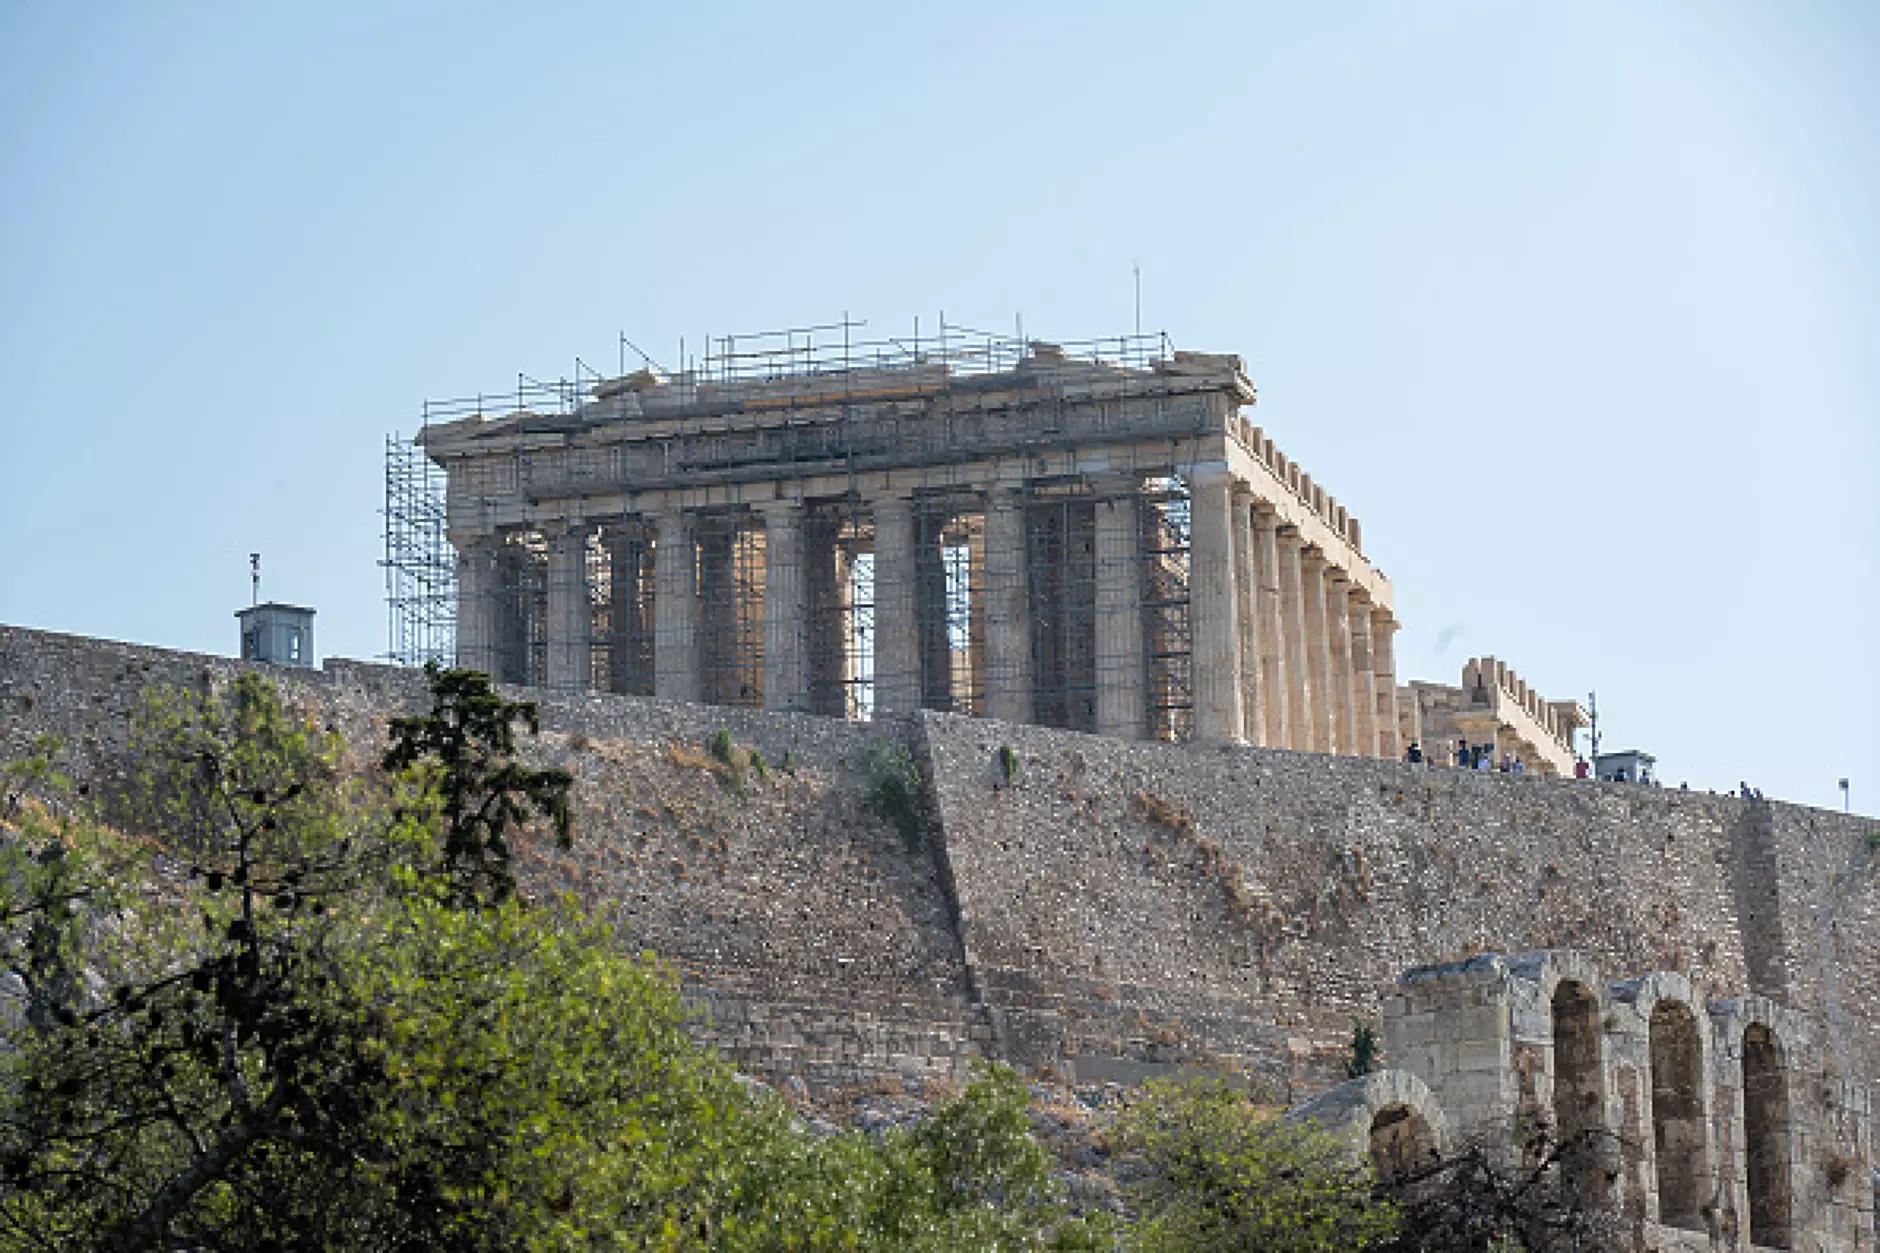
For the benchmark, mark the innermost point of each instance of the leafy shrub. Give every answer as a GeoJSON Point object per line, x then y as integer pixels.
{"type": "Point", "coordinates": [1361, 1057]}
{"type": "Point", "coordinates": [1214, 1172]}
{"type": "Point", "coordinates": [720, 745]}
{"type": "Point", "coordinates": [894, 789]}
{"type": "Point", "coordinates": [732, 761]}
{"type": "Point", "coordinates": [1008, 764]}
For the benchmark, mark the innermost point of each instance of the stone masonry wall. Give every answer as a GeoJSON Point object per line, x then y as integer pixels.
{"type": "Point", "coordinates": [1148, 900]}
{"type": "Point", "coordinates": [817, 944]}
{"type": "Point", "coordinates": [1117, 908]}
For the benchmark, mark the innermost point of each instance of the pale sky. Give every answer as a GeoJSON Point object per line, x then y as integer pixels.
{"type": "Point", "coordinates": [1575, 307]}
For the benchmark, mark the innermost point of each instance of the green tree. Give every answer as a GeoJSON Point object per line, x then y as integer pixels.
{"type": "Point", "coordinates": [1362, 1054]}
{"type": "Point", "coordinates": [208, 1063]}
{"type": "Point", "coordinates": [969, 1177]}
{"type": "Point", "coordinates": [186, 1042]}
{"type": "Point", "coordinates": [537, 1087]}
{"type": "Point", "coordinates": [281, 1004]}
{"type": "Point", "coordinates": [465, 746]}
{"type": "Point", "coordinates": [1214, 1172]}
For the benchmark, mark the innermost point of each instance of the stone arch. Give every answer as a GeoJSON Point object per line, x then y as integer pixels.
{"type": "Point", "coordinates": [1679, 1140]}
{"type": "Point", "coordinates": [1389, 1118]}
{"type": "Point", "coordinates": [1579, 1087]}
{"type": "Point", "coordinates": [1573, 1000]}
{"type": "Point", "coordinates": [1759, 1047]}
{"type": "Point", "coordinates": [1401, 1141]}
{"type": "Point", "coordinates": [1676, 1114]}
{"type": "Point", "coordinates": [1766, 1136]}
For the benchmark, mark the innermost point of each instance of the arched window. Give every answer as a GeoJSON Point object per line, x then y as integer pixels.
{"type": "Point", "coordinates": [1678, 1114]}
{"type": "Point", "coordinates": [1401, 1141]}
{"type": "Point", "coordinates": [1578, 1090]}
{"type": "Point", "coordinates": [1766, 1137]}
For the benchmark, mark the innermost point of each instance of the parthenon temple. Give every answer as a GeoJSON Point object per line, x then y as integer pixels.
{"type": "Point", "coordinates": [1092, 536]}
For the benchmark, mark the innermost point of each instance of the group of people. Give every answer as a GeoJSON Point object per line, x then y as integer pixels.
{"type": "Point", "coordinates": [1482, 757]}
{"type": "Point", "coordinates": [1471, 757]}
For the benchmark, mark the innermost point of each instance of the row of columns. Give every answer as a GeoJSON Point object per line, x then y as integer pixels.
{"type": "Point", "coordinates": [1285, 650]}
{"type": "Point", "coordinates": [1288, 651]}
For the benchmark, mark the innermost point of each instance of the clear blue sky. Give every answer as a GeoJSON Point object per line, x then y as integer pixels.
{"type": "Point", "coordinates": [1575, 306]}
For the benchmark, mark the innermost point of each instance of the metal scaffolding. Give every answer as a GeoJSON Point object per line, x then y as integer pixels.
{"type": "Point", "coordinates": [420, 565]}
{"type": "Point", "coordinates": [1165, 549]}
{"type": "Point", "coordinates": [582, 608]}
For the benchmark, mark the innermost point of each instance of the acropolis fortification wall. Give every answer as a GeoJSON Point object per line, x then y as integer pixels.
{"type": "Point", "coordinates": [1126, 900]}
{"type": "Point", "coordinates": [1102, 907]}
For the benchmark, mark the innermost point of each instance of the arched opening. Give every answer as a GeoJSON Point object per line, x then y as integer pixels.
{"type": "Point", "coordinates": [1402, 1141]}
{"type": "Point", "coordinates": [1766, 1137]}
{"type": "Point", "coordinates": [1578, 1090]}
{"type": "Point", "coordinates": [1678, 1114]}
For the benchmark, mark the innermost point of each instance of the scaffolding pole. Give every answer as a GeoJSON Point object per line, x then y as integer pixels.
{"type": "Point", "coordinates": [419, 563]}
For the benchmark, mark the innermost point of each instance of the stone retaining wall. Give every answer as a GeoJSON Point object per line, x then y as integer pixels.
{"type": "Point", "coordinates": [1123, 906]}
{"type": "Point", "coordinates": [1247, 903]}
{"type": "Point", "coordinates": [813, 940]}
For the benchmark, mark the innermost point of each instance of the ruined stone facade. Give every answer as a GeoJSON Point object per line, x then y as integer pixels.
{"type": "Point", "coordinates": [1492, 706]}
{"type": "Point", "coordinates": [1111, 909]}
{"type": "Point", "coordinates": [1705, 1124]}
{"type": "Point", "coordinates": [1089, 537]}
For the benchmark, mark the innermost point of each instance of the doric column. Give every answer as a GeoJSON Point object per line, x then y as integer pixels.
{"type": "Point", "coordinates": [1120, 677]}
{"type": "Point", "coordinates": [931, 611]}
{"type": "Point", "coordinates": [1338, 630]}
{"type": "Point", "coordinates": [479, 609]}
{"type": "Point", "coordinates": [720, 678]}
{"type": "Point", "coordinates": [1292, 607]}
{"type": "Point", "coordinates": [675, 609]}
{"type": "Point", "coordinates": [1363, 674]}
{"type": "Point", "coordinates": [1213, 620]}
{"type": "Point", "coordinates": [629, 643]}
{"type": "Point", "coordinates": [897, 628]}
{"type": "Point", "coordinates": [1246, 609]}
{"type": "Point", "coordinates": [1271, 656]}
{"type": "Point", "coordinates": [1318, 650]}
{"type": "Point", "coordinates": [831, 628]}
{"type": "Point", "coordinates": [570, 615]}
{"type": "Point", "coordinates": [1008, 609]}
{"type": "Point", "coordinates": [1384, 675]}
{"type": "Point", "coordinates": [786, 608]}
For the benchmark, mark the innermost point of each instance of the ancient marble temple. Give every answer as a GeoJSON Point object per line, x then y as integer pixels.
{"type": "Point", "coordinates": [1092, 536]}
